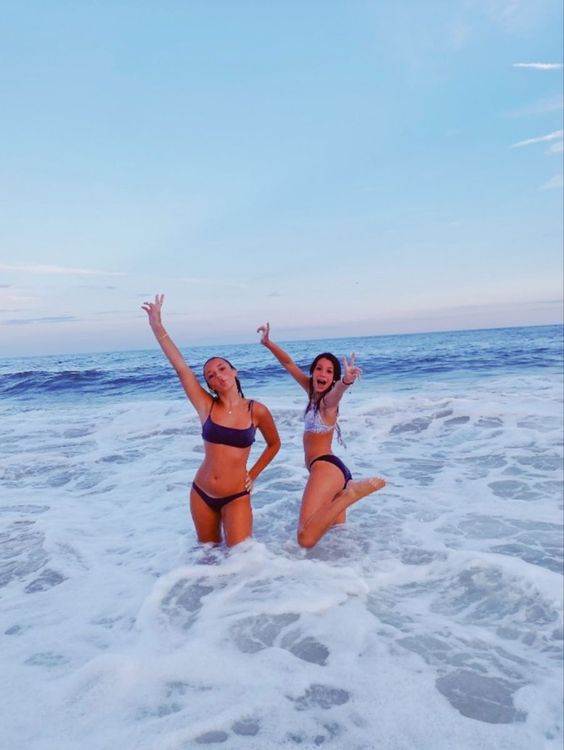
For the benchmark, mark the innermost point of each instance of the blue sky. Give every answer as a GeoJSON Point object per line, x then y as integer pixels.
{"type": "Point", "coordinates": [338, 167]}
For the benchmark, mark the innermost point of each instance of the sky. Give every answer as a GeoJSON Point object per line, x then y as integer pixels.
{"type": "Point", "coordinates": [336, 167]}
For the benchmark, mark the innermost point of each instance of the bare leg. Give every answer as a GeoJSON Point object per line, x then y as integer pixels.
{"type": "Point", "coordinates": [206, 520]}
{"type": "Point", "coordinates": [325, 501]}
{"type": "Point", "coordinates": [341, 518]}
{"type": "Point", "coordinates": [237, 518]}
{"type": "Point", "coordinates": [324, 482]}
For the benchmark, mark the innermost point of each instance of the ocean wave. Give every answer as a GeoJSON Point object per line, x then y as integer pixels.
{"type": "Point", "coordinates": [385, 359]}
{"type": "Point", "coordinates": [33, 383]}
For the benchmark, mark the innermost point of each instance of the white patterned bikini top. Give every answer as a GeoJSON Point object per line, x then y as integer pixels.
{"type": "Point", "coordinates": [314, 423]}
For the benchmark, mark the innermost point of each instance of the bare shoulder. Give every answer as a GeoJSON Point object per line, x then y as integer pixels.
{"type": "Point", "coordinates": [260, 410]}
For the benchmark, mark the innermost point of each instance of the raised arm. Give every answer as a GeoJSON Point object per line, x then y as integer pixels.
{"type": "Point", "coordinates": [283, 357]}
{"type": "Point", "coordinates": [199, 398]}
{"type": "Point", "coordinates": [350, 373]}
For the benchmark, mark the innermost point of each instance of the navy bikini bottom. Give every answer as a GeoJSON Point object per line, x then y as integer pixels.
{"type": "Point", "coordinates": [217, 503]}
{"type": "Point", "coordinates": [331, 459]}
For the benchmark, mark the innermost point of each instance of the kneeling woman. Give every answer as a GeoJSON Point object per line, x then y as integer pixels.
{"type": "Point", "coordinates": [330, 488]}
{"type": "Point", "coordinates": [220, 496]}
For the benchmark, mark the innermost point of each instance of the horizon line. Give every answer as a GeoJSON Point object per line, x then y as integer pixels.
{"type": "Point", "coordinates": [287, 341]}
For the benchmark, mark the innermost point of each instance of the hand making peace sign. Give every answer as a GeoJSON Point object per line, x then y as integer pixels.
{"type": "Point", "coordinates": [350, 371]}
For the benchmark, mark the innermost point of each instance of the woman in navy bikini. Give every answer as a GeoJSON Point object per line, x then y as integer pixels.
{"type": "Point", "coordinates": [330, 488]}
{"type": "Point", "coordinates": [220, 495]}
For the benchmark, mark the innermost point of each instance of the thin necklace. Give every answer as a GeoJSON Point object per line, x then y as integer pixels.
{"type": "Point", "coordinates": [230, 411]}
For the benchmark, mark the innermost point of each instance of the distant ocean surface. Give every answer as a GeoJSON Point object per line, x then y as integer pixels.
{"type": "Point", "coordinates": [431, 620]}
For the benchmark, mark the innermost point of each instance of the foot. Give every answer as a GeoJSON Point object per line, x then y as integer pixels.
{"type": "Point", "coordinates": [356, 489]}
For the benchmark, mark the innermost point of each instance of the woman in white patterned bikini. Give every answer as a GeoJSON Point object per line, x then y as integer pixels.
{"type": "Point", "coordinates": [330, 488]}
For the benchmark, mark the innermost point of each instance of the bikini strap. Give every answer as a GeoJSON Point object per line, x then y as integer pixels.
{"type": "Point", "coordinates": [251, 404]}
{"type": "Point", "coordinates": [211, 407]}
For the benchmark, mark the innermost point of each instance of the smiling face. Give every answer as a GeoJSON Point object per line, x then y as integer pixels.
{"type": "Point", "coordinates": [219, 374]}
{"type": "Point", "coordinates": [323, 375]}
{"type": "Point", "coordinates": [324, 371]}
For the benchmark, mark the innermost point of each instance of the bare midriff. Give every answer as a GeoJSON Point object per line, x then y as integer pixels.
{"type": "Point", "coordinates": [223, 471]}
{"type": "Point", "coordinates": [317, 444]}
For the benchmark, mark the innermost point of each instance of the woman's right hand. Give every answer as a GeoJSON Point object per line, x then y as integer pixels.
{"type": "Point", "coordinates": [153, 310]}
{"type": "Point", "coordinates": [264, 331]}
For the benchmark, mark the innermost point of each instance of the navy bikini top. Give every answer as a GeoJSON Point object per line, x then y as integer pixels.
{"type": "Point", "coordinates": [217, 433]}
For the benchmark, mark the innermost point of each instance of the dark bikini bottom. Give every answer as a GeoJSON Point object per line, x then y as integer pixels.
{"type": "Point", "coordinates": [217, 503]}
{"type": "Point", "coordinates": [331, 459]}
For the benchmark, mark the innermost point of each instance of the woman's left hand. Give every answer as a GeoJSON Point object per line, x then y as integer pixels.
{"type": "Point", "coordinates": [153, 310]}
{"type": "Point", "coordinates": [350, 371]}
{"type": "Point", "coordinates": [248, 483]}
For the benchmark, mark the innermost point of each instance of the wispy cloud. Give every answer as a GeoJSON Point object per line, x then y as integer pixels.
{"type": "Point", "coordinates": [513, 16]}
{"type": "Point", "coordinates": [553, 184]}
{"type": "Point", "coordinates": [556, 135]}
{"type": "Point", "coordinates": [30, 321]}
{"type": "Point", "coordinates": [15, 299]}
{"type": "Point", "coordinates": [556, 148]}
{"type": "Point", "coordinates": [102, 313]}
{"type": "Point", "coordinates": [42, 269]}
{"type": "Point", "coordinates": [539, 66]}
{"type": "Point", "coordinates": [212, 282]}
{"type": "Point", "coordinates": [458, 34]}
{"type": "Point", "coordinates": [540, 107]}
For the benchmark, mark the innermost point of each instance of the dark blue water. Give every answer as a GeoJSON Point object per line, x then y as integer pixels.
{"type": "Point", "coordinates": [395, 361]}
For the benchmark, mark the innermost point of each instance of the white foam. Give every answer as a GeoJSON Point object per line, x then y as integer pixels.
{"type": "Point", "coordinates": [436, 609]}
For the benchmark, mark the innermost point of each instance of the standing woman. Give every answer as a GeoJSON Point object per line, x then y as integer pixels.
{"type": "Point", "coordinates": [330, 488]}
{"type": "Point", "coordinates": [220, 496]}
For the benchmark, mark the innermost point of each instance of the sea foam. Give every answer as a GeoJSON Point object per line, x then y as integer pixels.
{"type": "Point", "coordinates": [432, 619]}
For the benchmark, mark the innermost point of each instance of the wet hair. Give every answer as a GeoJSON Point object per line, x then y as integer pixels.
{"type": "Point", "coordinates": [231, 366]}
{"type": "Point", "coordinates": [313, 402]}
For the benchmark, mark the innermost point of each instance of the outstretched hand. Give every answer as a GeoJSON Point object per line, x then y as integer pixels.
{"type": "Point", "coordinates": [153, 310]}
{"type": "Point", "coordinates": [350, 371]}
{"type": "Point", "coordinates": [264, 331]}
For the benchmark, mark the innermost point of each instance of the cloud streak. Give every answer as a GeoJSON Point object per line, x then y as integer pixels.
{"type": "Point", "coordinates": [539, 66]}
{"type": "Point", "coordinates": [541, 107]}
{"type": "Point", "coordinates": [213, 282]}
{"type": "Point", "coordinates": [553, 184]}
{"type": "Point", "coordinates": [556, 135]}
{"type": "Point", "coordinates": [30, 321]}
{"type": "Point", "coordinates": [45, 269]}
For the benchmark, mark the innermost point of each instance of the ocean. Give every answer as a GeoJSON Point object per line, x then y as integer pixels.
{"type": "Point", "coordinates": [432, 619]}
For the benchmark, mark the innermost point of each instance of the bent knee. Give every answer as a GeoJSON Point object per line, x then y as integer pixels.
{"type": "Point", "coordinates": [306, 539]}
